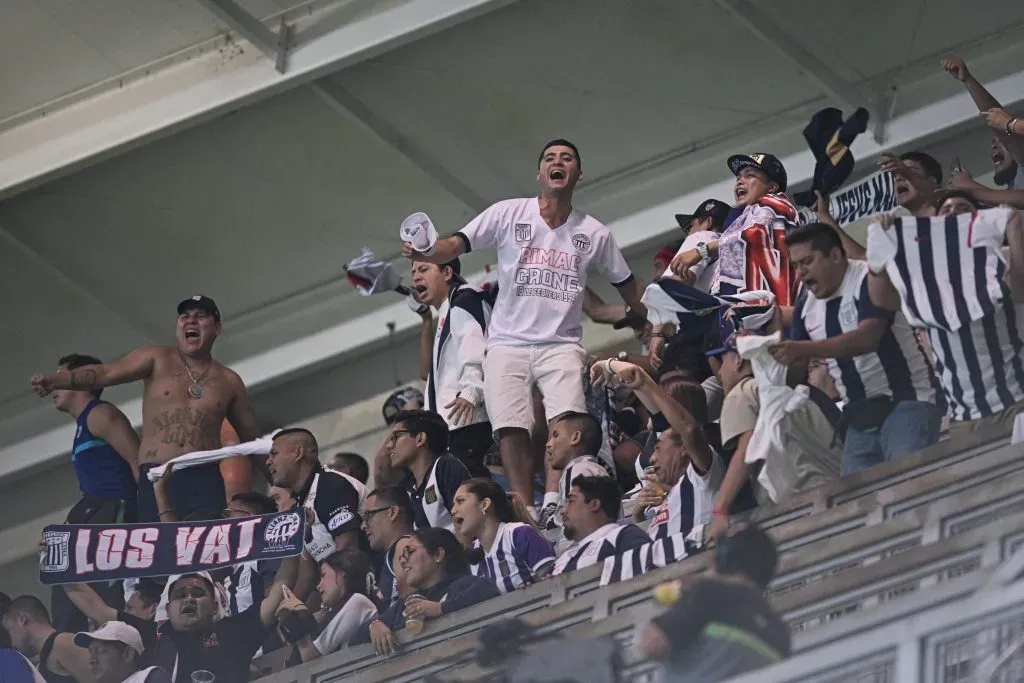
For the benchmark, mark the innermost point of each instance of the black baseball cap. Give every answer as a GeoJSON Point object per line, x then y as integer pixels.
{"type": "Point", "coordinates": [718, 211]}
{"type": "Point", "coordinates": [203, 303]}
{"type": "Point", "coordinates": [768, 164]}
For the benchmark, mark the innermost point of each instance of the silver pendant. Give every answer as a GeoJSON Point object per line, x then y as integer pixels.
{"type": "Point", "coordinates": [195, 391]}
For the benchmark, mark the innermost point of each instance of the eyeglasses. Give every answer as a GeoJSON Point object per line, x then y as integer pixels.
{"type": "Point", "coordinates": [188, 592]}
{"type": "Point", "coordinates": [397, 433]}
{"type": "Point", "coordinates": [408, 551]}
{"type": "Point", "coordinates": [230, 512]}
{"type": "Point", "coordinates": [372, 511]}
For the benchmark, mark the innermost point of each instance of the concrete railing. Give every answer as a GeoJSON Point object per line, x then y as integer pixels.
{"type": "Point", "coordinates": [844, 547]}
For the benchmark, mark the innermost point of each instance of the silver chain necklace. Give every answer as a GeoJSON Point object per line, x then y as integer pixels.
{"type": "Point", "coordinates": [194, 389]}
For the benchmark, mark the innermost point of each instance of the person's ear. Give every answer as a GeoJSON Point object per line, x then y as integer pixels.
{"type": "Point", "coordinates": [576, 438]}
{"type": "Point", "coordinates": [773, 187]}
{"type": "Point", "coordinates": [439, 556]}
{"type": "Point", "coordinates": [421, 439]}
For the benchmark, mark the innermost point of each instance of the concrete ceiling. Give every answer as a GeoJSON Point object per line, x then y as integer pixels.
{"type": "Point", "coordinates": [260, 201]}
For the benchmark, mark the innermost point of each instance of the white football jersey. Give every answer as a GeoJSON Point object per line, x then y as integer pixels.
{"type": "Point", "coordinates": [542, 272]}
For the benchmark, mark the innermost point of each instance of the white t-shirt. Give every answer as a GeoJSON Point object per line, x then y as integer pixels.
{"type": "Point", "coordinates": [704, 271]}
{"type": "Point", "coordinates": [542, 272]}
{"type": "Point", "coordinates": [356, 611]}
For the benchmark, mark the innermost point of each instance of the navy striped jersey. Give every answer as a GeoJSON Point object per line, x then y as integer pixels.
{"type": "Point", "coordinates": [689, 503]}
{"type": "Point", "coordinates": [898, 368]}
{"type": "Point", "coordinates": [949, 274]}
{"type": "Point", "coordinates": [583, 466]}
{"type": "Point", "coordinates": [432, 498]}
{"type": "Point", "coordinates": [517, 557]}
{"type": "Point", "coordinates": [101, 471]}
{"type": "Point", "coordinates": [248, 583]}
{"type": "Point", "coordinates": [608, 541]}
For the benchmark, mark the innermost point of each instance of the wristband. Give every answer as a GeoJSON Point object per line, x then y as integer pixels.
{"type": "Point", "coordinates": [297, 625]}
{"type": "Point", "coordinates": [1009, 125]}
{"type": "Point", "coordinates": [658, 334]}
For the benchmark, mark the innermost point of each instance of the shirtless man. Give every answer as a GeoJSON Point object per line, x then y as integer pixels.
{"type": "Point", "coordinates": [186, 397]}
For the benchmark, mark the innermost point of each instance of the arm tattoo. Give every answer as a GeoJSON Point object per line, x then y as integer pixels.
{"type": "Point", "coordinates": [84, 378]}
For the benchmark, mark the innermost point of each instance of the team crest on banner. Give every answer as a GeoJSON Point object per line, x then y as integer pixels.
{"type": "Point", "coordinates": [111, 552]}
{"type": "Point", "coordinates": [524, 232]}
{"type": "Point", "coordinates": [55, 555]}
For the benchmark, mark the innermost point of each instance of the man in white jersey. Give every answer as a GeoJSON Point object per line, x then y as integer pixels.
{"type": "Point", "coordinates": [545, 248]}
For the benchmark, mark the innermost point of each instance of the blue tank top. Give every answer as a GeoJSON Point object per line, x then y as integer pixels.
{"type": "Point", "coordinates": [101, 471]}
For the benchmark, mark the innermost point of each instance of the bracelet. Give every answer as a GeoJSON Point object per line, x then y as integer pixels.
{"type": "Point", "coordinates": [719, 512]}
{"type": "Point", "coordinates": [702, 251]}
{"type": "Point", "coordinates": [1009, 125]}
{"type": "Point", "coordinates": [658, 334]}
{"type": "Point", "coordinates": [168, 511]}
{"type": "Point", "coordinates": [608, 366]}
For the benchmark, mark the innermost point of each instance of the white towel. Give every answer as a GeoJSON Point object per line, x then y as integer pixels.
{"type": "Point", "coordinates": [260, 446]}
{"type": "Point", "coordinates": [778, 400]}
{"type": "Point", "coordinates": [881, 247]}
{"type": "Point", "coordinates": [418, 230]}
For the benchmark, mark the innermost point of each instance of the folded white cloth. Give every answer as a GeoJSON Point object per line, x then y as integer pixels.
{"type": "Point", "coordinates": [260, 446]}
{"type": "Point", "coordinates": [418, 230]}
{"type": "Point", "coordinates": [777, 400]}
{"type": "Point", "coordinates": [881, 247]}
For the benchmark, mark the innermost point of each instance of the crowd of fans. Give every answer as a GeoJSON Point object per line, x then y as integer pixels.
{"type": "Point", "coordinates": [777, 356]}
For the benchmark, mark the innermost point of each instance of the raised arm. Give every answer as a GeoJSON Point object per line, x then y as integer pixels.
{"type": "Point", "coordinates": [110, 424]}
{"type": "Point", "coordinates": [984, 100]}
{"type": "Point", "coordinates": [824, 215]}
{"type": "Point", "coordinates": [90, 603]}
{"type": "Point", "coordinates": [447, 249]}
{"type": "Point", "coordinates": [135, 366]}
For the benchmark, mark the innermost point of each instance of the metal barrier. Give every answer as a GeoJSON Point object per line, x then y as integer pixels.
{"type": "Point", "coordinates": [875, 522]}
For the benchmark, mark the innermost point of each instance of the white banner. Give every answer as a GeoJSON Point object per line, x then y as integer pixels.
{"type": "Point", "coordinates": [874, 195]}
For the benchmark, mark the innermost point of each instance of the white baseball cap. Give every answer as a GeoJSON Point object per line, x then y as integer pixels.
{"type": "Point", "coordinates": [113, 631]}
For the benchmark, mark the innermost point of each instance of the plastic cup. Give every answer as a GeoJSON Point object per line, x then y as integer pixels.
{"type": "Point", "coordinates": [414, 625]}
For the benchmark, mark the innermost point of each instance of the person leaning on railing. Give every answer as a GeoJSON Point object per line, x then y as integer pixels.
{"type": "Point", "coordinates": [436, 568]}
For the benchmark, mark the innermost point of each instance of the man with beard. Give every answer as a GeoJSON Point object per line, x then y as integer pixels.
{"type": "Point", "coordinates": [186, 396]}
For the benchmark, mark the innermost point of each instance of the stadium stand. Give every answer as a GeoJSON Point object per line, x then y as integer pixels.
{"type": "Point", "coordinates": [886, 545]}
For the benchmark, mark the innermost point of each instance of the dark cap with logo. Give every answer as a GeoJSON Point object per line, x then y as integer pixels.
{"type": "Point", "coordinates": [203, 303]}
{"type": "Point", "coordinates": [768, 164]}
{"type": "Point", "coordinates": [709, 208]}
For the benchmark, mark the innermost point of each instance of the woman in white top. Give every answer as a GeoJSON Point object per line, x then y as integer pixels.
{"type": "Point", "coordinates": [511, 552]}
{"type": "Point", "coordinates": [348, 593]}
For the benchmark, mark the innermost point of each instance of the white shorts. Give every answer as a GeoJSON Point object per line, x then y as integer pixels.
{"type": "Point", "coordinates": [511, 371]}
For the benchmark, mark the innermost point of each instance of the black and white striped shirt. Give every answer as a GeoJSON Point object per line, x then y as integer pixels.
{"type": "Point", "coordinates": [898, 368]}
{"type": "Point", "coordinates": [949, 274]}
